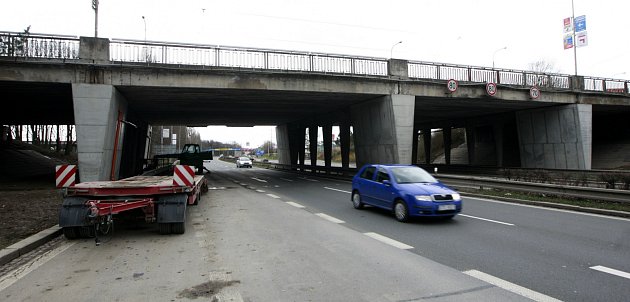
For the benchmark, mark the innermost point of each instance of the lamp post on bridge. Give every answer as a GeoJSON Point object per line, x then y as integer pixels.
{"type": "Point", "coordinates": [145, 29]}
{"type": "Point", "coordinates": [495, 53]}
{"type": "Point", "coordinates": [391, 52]}
{"type": "Point", "coordinates": [95, 8]}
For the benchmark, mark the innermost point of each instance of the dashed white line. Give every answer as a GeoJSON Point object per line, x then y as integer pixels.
{"type": "Point", "coordinates": [295, 204]}
{"type": "Point", "coordinates": [327, 188]}
{"type": "Point", "coordinates": [517, 289]}
{"type": "Point", "coordinates": [260, 191]}
{"type": "Point", "coordinates": [389, 241]}
{"type": "Point", "coordinates": [305, 178]}
{"type": "Point", "coordinates": [611, 271]}
{"type": "Point", "coordinates": [485, 219]}
{"type": "Point", "coordinates": [273, 196]}
{"type": "Point", "coordinates": [258, 179]}
{"type": "Point", "coordinates": [286, 179]}
{"type": "Point", "coordinates": [330, 218]}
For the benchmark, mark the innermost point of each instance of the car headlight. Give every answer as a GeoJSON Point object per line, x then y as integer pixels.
{"type": "Point", "coordinates": [456, 196]}
{"type": "Point", "coordinates": [423, 197]}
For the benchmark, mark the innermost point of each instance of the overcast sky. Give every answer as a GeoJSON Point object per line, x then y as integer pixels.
{"type": "Point", "coordinates": [457, 31]}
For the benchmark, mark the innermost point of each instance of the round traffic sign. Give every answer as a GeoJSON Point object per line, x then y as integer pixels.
{"type": "Point", "coordinates": [452, 85]}
{"type": "Point", "coordinates": [534, 92]}
{"type": "Point", "coordinates": [491, 89]}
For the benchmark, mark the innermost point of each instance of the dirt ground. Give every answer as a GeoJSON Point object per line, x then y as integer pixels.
{"type": "Point", "coordinates": [26, 208]}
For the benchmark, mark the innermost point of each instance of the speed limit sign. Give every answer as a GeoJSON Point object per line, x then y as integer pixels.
{"type": "Point", "coordinates": [451, 85]}
{"type": "Point", "coordinates": [534, 92]}
{"type": "Point", "coordinates": [491, 89]}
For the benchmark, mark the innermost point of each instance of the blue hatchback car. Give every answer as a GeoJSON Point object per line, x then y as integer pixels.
{"type": "Point", "coordinates": [408, 191]}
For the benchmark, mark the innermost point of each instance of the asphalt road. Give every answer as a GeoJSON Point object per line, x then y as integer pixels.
{"type": "Point", "coordinates": [263, 235]}
{"type": "Point", "coordinates": [566, 255]}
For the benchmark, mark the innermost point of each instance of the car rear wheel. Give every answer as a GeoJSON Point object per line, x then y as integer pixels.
{"type": "Point", "coordinates": [401, 212]}
{"type": "Point", "coordinates": [356, 200]}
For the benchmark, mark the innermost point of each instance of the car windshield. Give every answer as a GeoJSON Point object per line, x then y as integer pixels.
{"type": "Point", "coordinates": [411, 175]}
{"type": "Point", "coordinates": [243, 158]}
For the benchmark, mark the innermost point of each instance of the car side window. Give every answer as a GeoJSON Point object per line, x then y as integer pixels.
{"type": "Point", "coordinates": [368, 173]}
{"type": "Point", "coordinates": [382, 175]}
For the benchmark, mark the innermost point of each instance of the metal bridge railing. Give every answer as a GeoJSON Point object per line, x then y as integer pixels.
{"type": "Point", "coordinates": [438, 71]}
{"type": "Point", "coordinates": [215, 56]}
{"type": "Point", "coordinates": [38, 46]}
{"type": "Point", "coordinates": [133, 51]}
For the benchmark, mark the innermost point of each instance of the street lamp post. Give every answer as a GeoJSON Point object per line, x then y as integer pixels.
{"type": "Point", "coordinates": [495, 53]}
{"type": "Point", "coordinates": [145, 29]}
{"type": "Point", "coordinates": [391, 52]}
{"type": "Point", "coordinates": [95, 8]}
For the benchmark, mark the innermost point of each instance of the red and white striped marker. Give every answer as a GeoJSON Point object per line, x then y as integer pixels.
{"type": "Point", "coordinates": [65, 175]}
{"type": "Point", "coordinates": [183, 175]}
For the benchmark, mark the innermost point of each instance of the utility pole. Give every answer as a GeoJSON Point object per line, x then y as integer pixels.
{"type": "Point", "coordinates": [95, 8]}
{"type": "Point", "coordinates": [574, 42]}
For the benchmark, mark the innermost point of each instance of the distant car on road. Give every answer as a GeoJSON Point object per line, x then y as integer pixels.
{"type": "Point", "coordinates": [243, 162]}
{"type": "Point", "coordinates": [408, 191]}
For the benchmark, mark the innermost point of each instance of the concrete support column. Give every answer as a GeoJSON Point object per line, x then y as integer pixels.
{"type": "Point", "coordinates": [556, 137]}
{"type": "Point", "coordinates": [97, 109]}
{"type": "Point", "coordinates": [344, 138]}
{"type": "Point", "coordinates": [300, 142]}
{"type": "Point", "coordinates": [283, 144]}
{"type": "Point", "coordinates": [414, 145]}
{"type": "Point", "coordinates": [383, 129]}
{"type": "Point", "coordinates": [327, 135]}
{"type": "Point", "coordinates": [470, 144]}
{"type": "Point", "coordinates": [312, 144]}
{"type": "Point", "coordinates": [446, 135]}
{"type": "Point", "coordinates": [498, 141]}
{"type": "Point", "coordinates": [426, 136]}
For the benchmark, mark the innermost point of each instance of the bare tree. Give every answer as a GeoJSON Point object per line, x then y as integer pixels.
{"type": "Point", "coordinates": [545, 75]}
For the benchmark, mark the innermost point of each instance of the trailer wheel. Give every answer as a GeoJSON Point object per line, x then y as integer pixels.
{"type": "Point", "coordinates": [70, 233]}
{"type": "Point", "coordinates": [165, 228]}
{"type": "Point", "coordinates": [179, 228]}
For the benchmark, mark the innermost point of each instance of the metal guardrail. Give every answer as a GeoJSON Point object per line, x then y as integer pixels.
{"type": "Point", "coordinates": [621, 196]}
{"type": "Point", "coordinates": [186, 54]}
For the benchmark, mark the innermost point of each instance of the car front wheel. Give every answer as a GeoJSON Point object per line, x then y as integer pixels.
{"type": "Point", "coordinates": [401, 212]}
{"type": "Point", "coordinates": [356, 200]}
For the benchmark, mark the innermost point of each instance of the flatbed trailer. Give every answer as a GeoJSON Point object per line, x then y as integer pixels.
{"type": "Point", "coordinates": [90, 208]}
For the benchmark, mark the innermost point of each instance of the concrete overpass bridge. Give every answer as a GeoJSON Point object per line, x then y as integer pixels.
{"type": "Point", "coordinates": [103, 86]}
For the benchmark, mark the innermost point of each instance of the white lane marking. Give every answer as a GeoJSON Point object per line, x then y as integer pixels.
{"type": "Point", "coordinates": [243, 184]}
{"type": "Point", "coordinates": [258, 179]}
{"type": "Point", "coordinates": [260, 191]}
{"type": "Point", "coordinates": [548, 208]}
{"type": "Point", "coordinates": [273, 196]}
{"type": "Point", "coordinates": [305, 178]}
{"type": "Point", "coordinates": [20, 272]}
{"type": "Point", "coordinates": [295, 204]}
{"type": "Point", "coordinates": [611, 271]}
{"type": "Point", "coordinates": [330, 218]}
{"type": "Point", "coordinates": [286, 179]}
{"type": "Point", "coordinates": [327, 188]}
{"type": "Point", "coordinates": [389, 241]}
{"type": "Point", "coordinates": [485, 219]}
{"type": "Point", "coordinates": [517, 289]}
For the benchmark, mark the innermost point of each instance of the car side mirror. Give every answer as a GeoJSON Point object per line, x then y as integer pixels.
{"type": "Point", "coordinates": [387, 182]}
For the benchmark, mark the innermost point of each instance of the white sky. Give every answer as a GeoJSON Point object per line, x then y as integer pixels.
{"type": "Point", "coordinates": [456, 31]}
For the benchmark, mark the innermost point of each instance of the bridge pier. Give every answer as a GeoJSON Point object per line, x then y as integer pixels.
{"type": "Point", "coordinates": [383, 130]}
{"type": "Point", "coordinates": [556, 137]}
{"type": "Point", "coordinates": [97, 112]}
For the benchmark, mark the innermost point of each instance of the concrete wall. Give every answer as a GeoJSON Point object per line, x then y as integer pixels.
{"type": "Point", "coordinates": [383, 130]}
{"type": "Point", "coordinates": [96, 110]}
{"type": "Point", "coordinates": [556, 137]}
{"type": "Point", "coordinates": [282, 137]}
